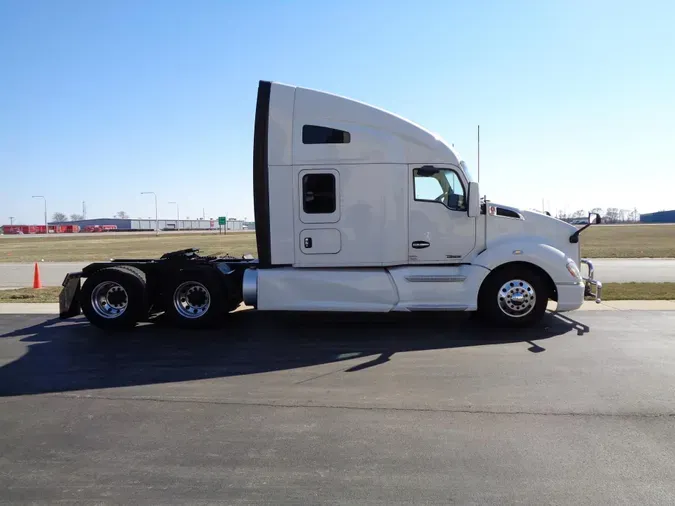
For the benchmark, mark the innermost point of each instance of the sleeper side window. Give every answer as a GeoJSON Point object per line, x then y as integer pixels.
{"type": "Point", "coordinates": [314, 134]}
{"type": "Point", "coordinates": [318, 193]}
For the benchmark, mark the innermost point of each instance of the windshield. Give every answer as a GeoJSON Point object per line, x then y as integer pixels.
{"type": "Point", "coordinates": [466, 170]}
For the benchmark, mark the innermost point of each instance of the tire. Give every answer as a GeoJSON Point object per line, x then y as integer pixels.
{"type": "Point", "coordinates": [115, 298]}
{"type": "Point", "coordinates": [505, 299]}
{"type": "Point", "coordinates": [196, 300]}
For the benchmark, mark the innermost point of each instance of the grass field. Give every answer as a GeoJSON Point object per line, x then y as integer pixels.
{"type": "Point", "coordinates": [625, 241]}
{"type": "Point", "coordinates": [46, 294]}
{"type": "Point", "coordinates": [84, 248]}
{"type": "Point", "coordinates": [629, 241]}
{"type": "Point", "coordinates": [610, 291]}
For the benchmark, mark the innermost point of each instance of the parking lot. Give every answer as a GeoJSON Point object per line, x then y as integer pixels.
{"type": "Point", "coordinates": [353, 410]}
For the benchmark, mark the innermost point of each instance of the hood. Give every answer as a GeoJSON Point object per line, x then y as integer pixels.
{"type": "Point", "coordinates": [506, 220]}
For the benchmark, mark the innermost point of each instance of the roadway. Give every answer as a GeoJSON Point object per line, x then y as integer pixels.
{"type": "Point", "coordinates": [394, 409]}
{"type": "Point", "coordinates": [607, 270]}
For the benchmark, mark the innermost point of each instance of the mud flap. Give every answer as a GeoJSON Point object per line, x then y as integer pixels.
{"type": "Point", "coordinates": [69, 298]}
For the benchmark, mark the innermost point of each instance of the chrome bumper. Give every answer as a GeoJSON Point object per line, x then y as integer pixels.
{"type": "Point", "coordinates": [591, 282]}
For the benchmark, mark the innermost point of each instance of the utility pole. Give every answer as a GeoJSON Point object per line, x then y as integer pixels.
{"type": "Point", "coordinates": [84, 210]}
{"type": "Point", "coordinates": [177, 213]}
{"type": "Point", "coordinates": [156, 215]}
{"type": "Point", "coordinates": [46, 223]}
{"type": "Point", "coordinates": [478, 153]}
{"type": "Point", "coordinates": [11, 220]}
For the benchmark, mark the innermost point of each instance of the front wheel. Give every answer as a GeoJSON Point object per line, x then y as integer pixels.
{"type": "Point", "coordinates": [513, 297]}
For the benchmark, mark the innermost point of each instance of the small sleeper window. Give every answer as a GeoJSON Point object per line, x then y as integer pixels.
{"type": "Point", "coordinates": [318, 193]}
{"type": "Point", "coordinates": [313, 134]}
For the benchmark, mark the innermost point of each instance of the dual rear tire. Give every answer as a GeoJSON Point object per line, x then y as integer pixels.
{"type": "Point", "coordinates": [116, 298]}
{"type": "Point", "coordinates": [195, 299]}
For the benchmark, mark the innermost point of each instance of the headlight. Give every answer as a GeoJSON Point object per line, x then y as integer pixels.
{"type": "Point", "coordinates": [574, 270]}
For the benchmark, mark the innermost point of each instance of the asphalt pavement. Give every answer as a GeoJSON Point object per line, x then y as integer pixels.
{"type": "Point", "coordinates": [384, 409]}
{"type": "Point", "coordinates": [13, 275]}
{"type": "Point", "coordinates": [622, 270]}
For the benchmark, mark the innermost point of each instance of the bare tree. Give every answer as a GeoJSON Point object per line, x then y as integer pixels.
{"type": "Point", "coordinates": [122, 215]}
{"type": "Point", "coordinates": [597, 210]}
{"type": "Point", "coordinates": [612, 215]}
{"type": "Point", "coordinates": [59, 217]}
{"type": "Point", "coordinates": [76, 217]}
{"type": "Point", "coordinates": [579, 214]}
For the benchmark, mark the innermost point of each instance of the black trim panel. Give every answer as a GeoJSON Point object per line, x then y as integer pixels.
{"type": "Point", "coordinates": [261, 193]}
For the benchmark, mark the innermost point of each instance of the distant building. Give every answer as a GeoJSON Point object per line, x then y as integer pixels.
{"type": "Point", "coordinates": [149, 224]}
{"type": "Point", "coordinates": [659, 217]}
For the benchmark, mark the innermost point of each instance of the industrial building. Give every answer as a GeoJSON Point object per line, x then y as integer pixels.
{"type": "Point", "coordinates": [658, 217]}
{"type": "Point", "coordinates": [124, 224]}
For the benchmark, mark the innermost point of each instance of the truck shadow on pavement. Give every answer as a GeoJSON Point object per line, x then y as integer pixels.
{"type": "Point", "coordinates": [64, 356]}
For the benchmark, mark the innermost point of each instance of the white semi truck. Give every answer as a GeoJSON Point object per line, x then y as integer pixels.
{"type": "Point", "coordinates": [356, 209]}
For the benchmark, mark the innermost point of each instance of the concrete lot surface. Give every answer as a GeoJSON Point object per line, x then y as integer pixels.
{"type": "Point", "coordinates": [396, 409]}
{"type": "Point", "coordinates": [608, 270]}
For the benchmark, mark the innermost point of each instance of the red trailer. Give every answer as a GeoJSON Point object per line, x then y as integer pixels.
{"type": "Point", "coordinates": [99, 228]}
{"type": "Point", "coordinates": [12, 229]}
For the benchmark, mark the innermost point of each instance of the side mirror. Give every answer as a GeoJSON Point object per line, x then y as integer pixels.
{"type": "Point", "coordinates": [597, 219]}
{"type": "Point", "coordinates": [453, 201]}
{"type": "Point", "coordinates": [473, 209]}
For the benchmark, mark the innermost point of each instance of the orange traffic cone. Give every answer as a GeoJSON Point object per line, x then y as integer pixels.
{"type": "Point", "coordinates": [37, 283]}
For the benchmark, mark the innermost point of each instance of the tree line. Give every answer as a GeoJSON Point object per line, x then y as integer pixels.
{"type": "Point", "coordinates": [62, 217]}
{"type": "Point", "coordinates": [609, 215]}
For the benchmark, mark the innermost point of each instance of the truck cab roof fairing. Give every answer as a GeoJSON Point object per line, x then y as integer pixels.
{"type": "Point", "coordinates": [260, 174]}
{"type": "Point", "coordinates": [375, 135]}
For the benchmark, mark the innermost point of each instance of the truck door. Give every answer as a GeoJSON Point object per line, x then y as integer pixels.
{"type": "Point", "coordinates": [439, 228]}
{"type": "Point", "coordinates": [319, 211]}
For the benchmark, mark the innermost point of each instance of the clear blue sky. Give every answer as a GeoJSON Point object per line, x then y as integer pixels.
{"type": "Point", "coordinates": [102, 100]}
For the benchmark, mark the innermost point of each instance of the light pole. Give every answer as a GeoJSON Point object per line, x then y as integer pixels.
{"type": "Point", "coordinates": [156, 216]}
{"type": "Point", "coordinates": [46, 224]}
{"type": "Point", "coordinates": [177, 215]}
{"type": "Point", "coordinates": [11, 220]}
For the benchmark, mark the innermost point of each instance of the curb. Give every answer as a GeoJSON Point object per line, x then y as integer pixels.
{"type": "Point", "coordinates": [22, 308]}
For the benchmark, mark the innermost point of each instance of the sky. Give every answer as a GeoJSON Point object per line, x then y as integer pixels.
{"type": "Point", "coordinates": [100, 101]}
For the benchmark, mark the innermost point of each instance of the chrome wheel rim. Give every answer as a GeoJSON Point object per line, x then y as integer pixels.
{"type": "Point", "coordinates": [191, 300]}
{"type": "Point", "coordinates": [109, 300]}
{"type": "Point", "coordinates": [516, 298]}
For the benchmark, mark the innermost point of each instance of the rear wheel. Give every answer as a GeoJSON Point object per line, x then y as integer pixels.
{"type": "Point", "coordinates": [195, 300]}
{"type": "Point", "coordinates": [114, 298]}
{"type": "Point", "coordinates": [513, 297]}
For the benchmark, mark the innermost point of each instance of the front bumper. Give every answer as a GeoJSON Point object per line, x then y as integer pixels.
{"type": "Point", "coordinates": [591, 282]}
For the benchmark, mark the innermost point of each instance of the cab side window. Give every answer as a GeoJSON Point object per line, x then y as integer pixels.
{"type": "Point", "coordinates": [441, 185]}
